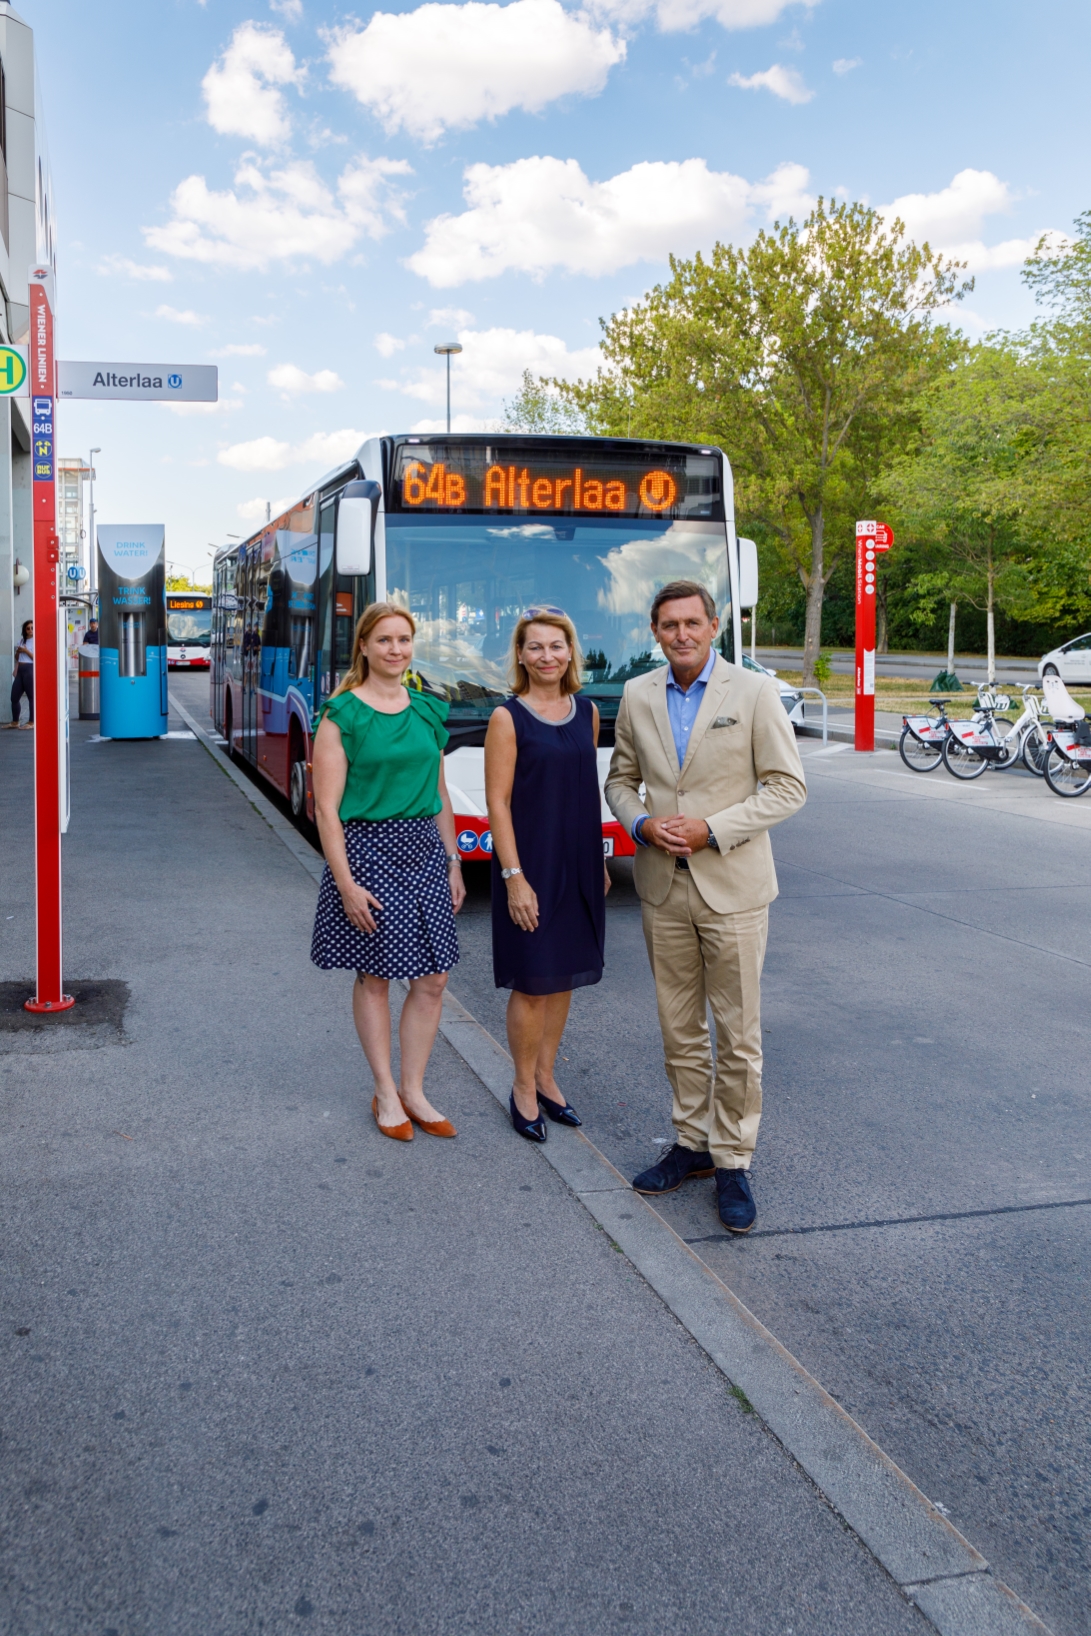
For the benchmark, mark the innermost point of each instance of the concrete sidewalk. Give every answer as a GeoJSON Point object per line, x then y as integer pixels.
{"type": "Point", "coordinates": [267, 1371]}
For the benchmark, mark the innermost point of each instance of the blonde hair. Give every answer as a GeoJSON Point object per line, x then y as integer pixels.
{"type": "Point", "coordinates": [517, 671]}
{"type": "Point", "coordinates": [356, 675]}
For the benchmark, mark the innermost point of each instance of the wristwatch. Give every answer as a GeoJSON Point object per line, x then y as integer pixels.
{"type": "Point", "coordinates": [455, 858]}
{"type": "Point", "coordinates": [712, 842]}
{"type": "Point", "coordinates": [506, 874]}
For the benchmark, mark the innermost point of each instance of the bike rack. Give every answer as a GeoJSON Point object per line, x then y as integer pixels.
{"type": "Point", "coordinates": [818, 694]}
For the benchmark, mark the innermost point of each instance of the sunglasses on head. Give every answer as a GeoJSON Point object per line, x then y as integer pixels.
{"type": "Point", "coordinates": [545, 608]}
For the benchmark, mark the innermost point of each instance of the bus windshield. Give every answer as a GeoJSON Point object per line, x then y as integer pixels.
{"type": "Point", "coordinates": [192, 629]}
{"type": "Point", "coordinates": [467, 579]}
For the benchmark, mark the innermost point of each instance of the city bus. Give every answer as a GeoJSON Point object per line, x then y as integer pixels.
{"type": "Point", "coordinates": [189, 631]}
{"type": "Point", "coordinates": [467, 531]}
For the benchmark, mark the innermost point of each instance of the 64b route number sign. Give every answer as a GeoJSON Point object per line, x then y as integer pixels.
{"type": "Point", "coordinates": [871, 538]}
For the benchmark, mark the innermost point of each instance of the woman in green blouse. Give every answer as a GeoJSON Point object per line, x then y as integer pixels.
{"type": "Point", "coordinates": [393, 879]}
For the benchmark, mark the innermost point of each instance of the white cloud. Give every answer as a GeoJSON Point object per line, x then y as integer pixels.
{"type": "Point", "coordinates": [449, 318]}
{"type": "Point", "coordinates": [174, 316]}
{"type": "Point", "coordinates": [121, 266]}
{"type": "Point", "coordinates": [270, 454]}
{"type": "Point", "coordinates": [241, 90]}
{"type": "Point", "coordinates": [785, 83]}
{"type": "Point", "coordinates": [459, 423]}
{"type": "Point", "coordinates": [674, 15]}
{"type": "Point", "coordinates": [290, 10]}
{"type": "Point", "coordinates": [536, 214]}
{"type": "Point", "coordinates": [953, 220]}
{"type": "Point", "coordinates": [490, 367]}
{"type": "Point", "coordinates": [240, 349]}
{"type": "Point", "coordinates": [448, 66]}
{"type": "Point", "coordinates": [253, 511]}
{"type": "Point", "coordinates": [280, 215]}
{"type": "Point", "coordinates": [291, 380]}
{"type": "Point", "coordinates": [845, 65]}
{"type": "Point", "coordinates": [386, 345]}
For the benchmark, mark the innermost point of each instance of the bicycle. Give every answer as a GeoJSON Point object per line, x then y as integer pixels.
{"type": "Point", "coordinates": [921, 743]}
{"type": "Point", "coordinates": [972, 746]}
{"type": "Point", "coordinates": [1068, 764]}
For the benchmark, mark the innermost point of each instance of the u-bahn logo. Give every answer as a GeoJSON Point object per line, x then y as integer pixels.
{"type": "Point", "coordinates": [13, 371]}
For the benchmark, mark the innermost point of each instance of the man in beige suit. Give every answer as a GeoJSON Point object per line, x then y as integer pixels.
{"type": "Point", "coordinates": [712, 745]}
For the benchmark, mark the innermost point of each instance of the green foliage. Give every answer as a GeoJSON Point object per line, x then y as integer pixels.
{"type": "Point", "coordinates": [802, 356]}
{"type": "Point", "coordinates": [180, 582]}
{"type": "Point", "coordinates": [823, 669]}
{"type": "Point", "coordinates": [538, 408]}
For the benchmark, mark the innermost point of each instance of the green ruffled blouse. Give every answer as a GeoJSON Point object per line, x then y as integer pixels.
{"type": "Point", "coordinates": [394, 761]}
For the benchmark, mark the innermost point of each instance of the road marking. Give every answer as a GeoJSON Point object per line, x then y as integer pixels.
{"type": "Point", "coordinates": [932, 1563]}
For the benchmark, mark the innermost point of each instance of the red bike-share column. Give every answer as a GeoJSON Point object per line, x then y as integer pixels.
{"type": "Point", "coordinates": [870, 538]}
{"type": "Point", "coordinates": [50, 705]}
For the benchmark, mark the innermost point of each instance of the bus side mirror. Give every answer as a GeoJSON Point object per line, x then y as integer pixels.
{"type": "Point", "coordinates": [356, 511]}
{"type": "Point", "coordinates": [748, 574]}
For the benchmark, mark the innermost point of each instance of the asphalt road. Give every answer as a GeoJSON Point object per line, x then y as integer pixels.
{"type": "Point", "coordinates": [926, 1029]}
{"type": "Point", "coordinates": [267, 1372]}
{"type": "Point", "coordinates": [968, 667]}
{"type": "Point", "coordinates": [926, 1129]}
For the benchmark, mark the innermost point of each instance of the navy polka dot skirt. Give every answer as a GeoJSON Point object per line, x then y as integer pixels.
{"type": "Point", "coordinates": [402, 861]}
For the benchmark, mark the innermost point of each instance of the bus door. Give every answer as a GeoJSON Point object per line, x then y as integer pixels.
{"type": "Point", "coordinates": [341, 601]}
{"type": "Point", "coordinates": [254, 605]}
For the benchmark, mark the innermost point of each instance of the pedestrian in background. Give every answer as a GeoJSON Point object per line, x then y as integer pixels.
{"type": "Point", "coordinates": [393, 878]}
{"type": "Point", "coordinates": [549, 880]}
{"type": "Point", "coordinates": [714, 749]}
{"type": "Point", "coordinates": [23, 676]}
{"type": "Point", "coordinates": [90, 635]}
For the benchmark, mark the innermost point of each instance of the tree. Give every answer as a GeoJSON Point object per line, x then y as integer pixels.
{"type": "Point", "coordinates": [968, 487]}
{"type": "Point", "coordinates": [803, 357]}
{"type": "Point", "coordinates": [538, 408]}
{"type": "Point", "coordinates": [182, 582]}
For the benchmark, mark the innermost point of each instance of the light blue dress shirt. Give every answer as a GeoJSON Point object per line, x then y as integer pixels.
{"type": "Point", "coordinates": [682, 707]}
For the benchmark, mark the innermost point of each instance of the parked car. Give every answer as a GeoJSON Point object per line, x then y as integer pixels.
{"type": "Point", "coordinates": [1071, 662]}
{"type": "Point", "coordinates": [790, 697]}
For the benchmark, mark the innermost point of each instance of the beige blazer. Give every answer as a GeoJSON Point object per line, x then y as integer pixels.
{"type": "Point", "coordinates": [742, 774]}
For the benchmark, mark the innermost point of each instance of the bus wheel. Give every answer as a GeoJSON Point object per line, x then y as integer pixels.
{"type": "Point", "coordinates": [297, 789]}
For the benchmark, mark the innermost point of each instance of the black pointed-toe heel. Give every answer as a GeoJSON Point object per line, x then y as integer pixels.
{"type": "Point", "coordinates": [565, 1115]}
{"type": "Point", "coordinates": [533, 1129]}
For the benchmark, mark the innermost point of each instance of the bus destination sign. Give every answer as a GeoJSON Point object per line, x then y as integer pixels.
{"type": "Point", "coordinates": [447, 477]}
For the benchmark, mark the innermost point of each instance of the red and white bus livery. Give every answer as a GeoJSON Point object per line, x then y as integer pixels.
{"type": "Point", "coordinates": [467, 531]}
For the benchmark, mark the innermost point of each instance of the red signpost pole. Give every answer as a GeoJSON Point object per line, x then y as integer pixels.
{"type": "Point", "coordinates": [49, 677]}
{"type": "Point", "coordinates": [871, 537]}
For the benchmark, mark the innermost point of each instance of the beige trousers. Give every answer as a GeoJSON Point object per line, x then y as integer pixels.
{"type": "Point", "coordinates": [702, 960]}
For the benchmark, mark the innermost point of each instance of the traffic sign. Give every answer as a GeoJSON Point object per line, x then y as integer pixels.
{"type": "Point", "coordinates": [75, 571]}
{"type": "Point", "coordinates": [174, 383]}
{"type": "Point", "coordinates": [14, 372]}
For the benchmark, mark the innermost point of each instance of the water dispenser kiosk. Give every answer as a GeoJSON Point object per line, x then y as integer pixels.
{"type": "Point", "coordinates": [132, 631]}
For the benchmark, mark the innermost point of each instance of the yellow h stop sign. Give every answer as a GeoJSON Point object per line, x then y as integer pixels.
{"type": "Point", "coordinates": [13, 370]}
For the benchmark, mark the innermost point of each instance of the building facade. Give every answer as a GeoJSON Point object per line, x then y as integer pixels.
{"type": "Point", "coordinates": [27, 238]}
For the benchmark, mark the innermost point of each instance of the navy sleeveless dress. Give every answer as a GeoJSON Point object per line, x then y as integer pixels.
{"type": "Point", "coordinates": [557, 813]}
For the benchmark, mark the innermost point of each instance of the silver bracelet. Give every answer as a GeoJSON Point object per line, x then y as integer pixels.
{"type": "Point", "coordinates": [454, 858]}
{"type": "Point", "coordinates": [506, 874]}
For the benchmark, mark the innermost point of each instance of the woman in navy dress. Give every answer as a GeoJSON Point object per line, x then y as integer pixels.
{"type": "Point", "coordinates": [549, 880]}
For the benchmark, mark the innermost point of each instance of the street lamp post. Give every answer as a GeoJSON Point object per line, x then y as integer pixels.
{"type": "Point", "coordinates": [92, 553]}
{"type": "Point", "coordinates": [445, 349]}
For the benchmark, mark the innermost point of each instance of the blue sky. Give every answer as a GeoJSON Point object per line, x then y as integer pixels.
{"type": "Point", "coordinates": [312, 198]}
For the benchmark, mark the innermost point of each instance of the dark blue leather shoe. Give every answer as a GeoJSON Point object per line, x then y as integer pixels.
{"type": "Point", "coordinates": [738, 1212]}
{"type": "Point", "coordinates": [533, 1129]}
{"type": "Point", "coordinates": [563, 1115]}
{"type": "Point", "coordinates": [680, 1165]}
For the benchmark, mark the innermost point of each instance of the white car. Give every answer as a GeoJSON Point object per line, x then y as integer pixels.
{"type": "Point", "coordinates": [790, 697]}
{"type": "Point", "coordinates": [1071, 662]}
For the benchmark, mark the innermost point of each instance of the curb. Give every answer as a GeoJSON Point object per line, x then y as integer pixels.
{"type": "Point", "coordinates": [884, 739]}
{"type": "Point", "coordinates": [934, 1566]}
